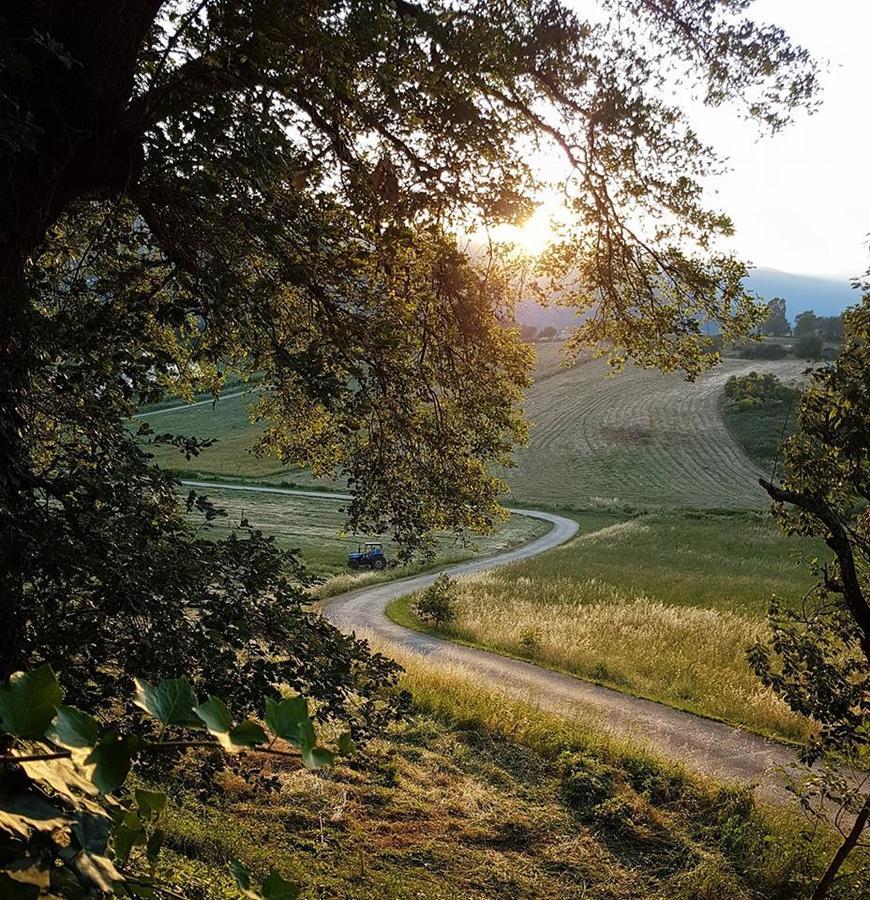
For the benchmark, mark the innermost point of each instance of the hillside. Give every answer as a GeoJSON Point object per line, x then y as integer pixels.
{"type": "Point", "coordinates": [639, 438]}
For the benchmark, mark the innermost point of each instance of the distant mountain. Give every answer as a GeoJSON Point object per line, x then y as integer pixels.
{"type": "Point", "coordinates": [826, 296]}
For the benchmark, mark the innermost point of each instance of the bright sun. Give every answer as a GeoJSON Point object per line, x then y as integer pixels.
{"type": "Point", "coordinates": [532, 236]}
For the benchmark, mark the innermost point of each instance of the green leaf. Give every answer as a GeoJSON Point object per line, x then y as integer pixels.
{"type": "Point", "coordinates": [346, 745]}
{"type": "Point", "coordinates": [154, 845]}
{"type": "Point", "coordinates": [129, 834]}
{"type": "Point", "coordinates": [92, 832]}
{"type": "Point", "coordinates": [27, 703]}
{"type": "Point", "coordinates": [216, 717]}
{"type": "Point", "coordinates": [248, 734]}
{"type": "Point", "coordinates": [111, 759]}
{"type": "Point", "coordinates": [241, 875]}
{"type": "Point", "coordinates": [276, 888]}
{"type": "Point", "coordinates": [171, 702]}
{"type": "Point", "coordinates": [317, 757]}
{"type": "Point", "coordinates": [151, 804]}
{"type": "Point", "coordinates": [10, 889]}
{"type": "Point", "coordinates": [288, 719]}
{"type": "Point", "coordinates": [73, 729]}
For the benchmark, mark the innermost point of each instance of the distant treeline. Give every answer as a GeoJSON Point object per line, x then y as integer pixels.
{"type": "Point", "coordinates": [529, 334]}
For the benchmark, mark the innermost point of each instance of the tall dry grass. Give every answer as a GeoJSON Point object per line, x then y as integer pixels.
{"type": "Point", "coordinates": [691, 657]}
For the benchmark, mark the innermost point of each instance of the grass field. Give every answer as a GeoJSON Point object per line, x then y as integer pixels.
{"type": "Point", "coordinates": [761, 430]}
{"type": "Point", "coordinates": [640, 438]}
{"type": "Point", "coordinates": [662, 605]}
{"type": "Point", "coordinates": [315, 528]}
{"type": "Point", "coordinates": [478, 796]}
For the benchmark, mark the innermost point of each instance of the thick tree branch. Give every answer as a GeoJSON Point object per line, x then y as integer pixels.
{"type": "Point", "coordinates": [838, 541]}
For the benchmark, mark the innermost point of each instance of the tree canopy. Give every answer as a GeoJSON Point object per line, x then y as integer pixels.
{"type": "Point", "coordinates": [201, 187]}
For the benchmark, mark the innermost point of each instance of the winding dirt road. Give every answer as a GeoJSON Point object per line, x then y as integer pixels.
{"type": "Point", "coordinates": [721, 751]}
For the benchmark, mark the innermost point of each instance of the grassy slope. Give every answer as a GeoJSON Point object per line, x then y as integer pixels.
{"type": "Point", "coordinates": [639, 438]}
{"type": "Point", "coordinates": [661, 605]}
{"type": "Point", "coordinates": [472, 797]}
{"type": "Point", "coordinates": [314, 527]}
{"type": "Point", "coordinates": [760, 430]}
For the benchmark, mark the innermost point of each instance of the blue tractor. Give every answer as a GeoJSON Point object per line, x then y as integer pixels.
{"type": "Point", "coordinates": [371, 557]}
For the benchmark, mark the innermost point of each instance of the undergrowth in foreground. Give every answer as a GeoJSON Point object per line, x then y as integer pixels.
{"type": "Point", "coordinates": [475, 796]}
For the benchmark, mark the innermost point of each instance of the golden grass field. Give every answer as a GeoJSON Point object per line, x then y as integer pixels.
{"type": "Point", "coordinates": [650, 606]}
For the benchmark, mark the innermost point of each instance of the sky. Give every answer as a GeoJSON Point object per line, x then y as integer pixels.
{"type": "Point", "coordinates": [800, 200]}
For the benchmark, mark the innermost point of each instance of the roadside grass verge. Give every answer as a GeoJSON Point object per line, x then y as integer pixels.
{"type": "Point", "coordinates": [476, 795]}
{"type": "Point", "coordinates": [661, 606]}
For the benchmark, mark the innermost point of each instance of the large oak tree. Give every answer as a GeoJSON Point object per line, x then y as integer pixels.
{"type": "Point", "coordinates": [192, 187]}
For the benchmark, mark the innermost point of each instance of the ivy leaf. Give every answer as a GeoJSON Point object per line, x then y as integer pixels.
{"type": "Point", "coordinates": [73, 729]}
{"type": "Point", "coordinates": [317, 757]}
{"type": "Point", "coordinates": [288, 719]}
{"type": "Point", "coordinates": [129, 833]}
{"type": "Point", "coordinates": [241, 875]}
{"type": "Point", "coordinates": [154, 845]}
{"type": "Point", "coordinates": [27, 703]}
{"type": "Point", "coordinates": [171, 702]}
{"type": "Point", "coordinates": [247, 734]}
{"type": "Point", "coordinates": [346, 745]}
{"type": "Point", "coordinates": [111, 759]}
{"type": "Point", "coordinates": [92, 832]}
{"type": "Point", "coordinates": [276, 888]}
{"type": "Point", "coordinates": [151, 804]}
{"type": "Point", "coordinates": [218, 722]}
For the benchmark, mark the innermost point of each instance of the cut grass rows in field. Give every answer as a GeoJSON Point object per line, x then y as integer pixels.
{"type": "Point", "coordinates": [663, 606]}
{"type": "Point", "coordinates": [639, 438]}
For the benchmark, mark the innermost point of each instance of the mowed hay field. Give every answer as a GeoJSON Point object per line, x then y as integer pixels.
{"type": "Point", "coordinates": [316, 528]}
{"type": "Point", "coordinates": [662, 605]}
{"type": "Point", "coordinates": [637, 438]}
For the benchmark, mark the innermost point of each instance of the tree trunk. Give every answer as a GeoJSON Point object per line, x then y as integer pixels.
{"type": "Point", "coordinates": [14, 550]}
{"type": "Point", "coordinates": [846, 848]}
{"type": "Point", "coordinates": [69, 89]}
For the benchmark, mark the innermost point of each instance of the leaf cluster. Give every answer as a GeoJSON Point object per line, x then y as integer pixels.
{"type": "Point", "coordinates": [70, 824]}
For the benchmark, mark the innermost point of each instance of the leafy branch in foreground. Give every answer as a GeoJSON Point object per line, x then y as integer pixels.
{"type": "Point", "coordinates": [69, 821]}
{"type": "Point", "coordinates": [819, 662]}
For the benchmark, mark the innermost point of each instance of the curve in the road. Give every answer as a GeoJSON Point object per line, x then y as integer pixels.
{"type": "Point", "coordinates": [713, 748]}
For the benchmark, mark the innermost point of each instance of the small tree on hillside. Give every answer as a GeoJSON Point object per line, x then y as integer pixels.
{"type": "Point", "coordinates": [807, 323]}
{"type": "Point", "coordinates": [777, 321]}
{"type": "Point", "coordinates": [437, 604]}
{"type": "Point", "coordinates": [548, 333]}
{"type": "Point", "coordinates": [809, 347]}
{"type": "Point", "coordinates": [528, 333]}
{"type": "Point", "coordinates": [820, 657]}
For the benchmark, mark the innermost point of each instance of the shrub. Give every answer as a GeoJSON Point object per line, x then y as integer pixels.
{"type": "Point", "coordinates": [71, 825]}
{"type": "Point", "coordinates": [809, 347]}
{"type": "Point", "coordinates": [756, 389]}
{"type": "Point", "coordinates": [437, 604]}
